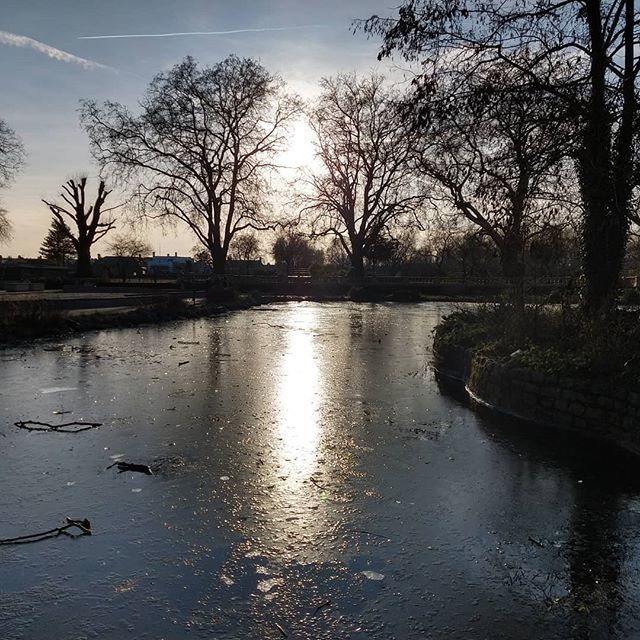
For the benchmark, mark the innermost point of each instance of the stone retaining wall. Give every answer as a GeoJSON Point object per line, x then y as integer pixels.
{"type": "Point", "coordinates": [603, 409]}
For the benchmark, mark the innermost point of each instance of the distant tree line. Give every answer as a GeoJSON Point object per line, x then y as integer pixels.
{"type": "Point", "coordinates": [514, 151]}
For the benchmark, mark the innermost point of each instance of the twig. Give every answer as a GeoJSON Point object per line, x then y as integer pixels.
{"type": "Point", "coordinates": [32, 425]}
{"type": "Point", "coordinates": [131, 466]}
{"type": "Point", "coordinates": [281, 630]}
{"type": "Point", "coordinates": [84, 526]}
{"type": "Point", "coordinates": [187, 342]}
{"type": "Point", "coordinates": [369, 533]}
{"type": "Point", "coordinates": [318, 484]}
{"type": "Point", "coordinates": [322, 606]}
{"type": "Point", "coordinates": [536, 542]}
{"type": "Point", "coordinates": [181, 363]}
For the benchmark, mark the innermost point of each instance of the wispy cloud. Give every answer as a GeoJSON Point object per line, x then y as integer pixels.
{"type": "Point", "coordinates": [204, 33]}
{"type": "Point", "coordinates": [15, 40]}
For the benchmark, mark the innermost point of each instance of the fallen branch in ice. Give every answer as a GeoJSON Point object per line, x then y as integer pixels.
{"type": "Point", "coordinates": [369, 533]}
{"type": "Point", "coordinates": [84, 526]}
{"type": "Point", "coordinates": [131, 466]}
{"type": "Point", "coordinates": [536, 542]}
{"type": "Point", "coordinates": [181, 363]}
{"type": "Point", "coordinates": [281, 630]}
{"type": "Point", "coordinates": [317, 484]}
{"type": "Point", "coordinates": [322, 606]}
{"type": "Point", "coordinates": [32, 425]}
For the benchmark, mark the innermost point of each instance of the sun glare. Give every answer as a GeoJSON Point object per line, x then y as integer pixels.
{"type": "Point", "coordinates": [299, 399]}
{"type": "Point", "coordinates": [300, 152]}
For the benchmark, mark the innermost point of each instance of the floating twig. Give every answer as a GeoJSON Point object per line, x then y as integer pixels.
{"type": "Point", "coordinates": [32, 425]}
{"type": "Point", "coordinates": [181, 363]}
{"type": "Point", "coordinates": [369, 533]}
{"type": "Point", "coordinates": [322, 606]}
{"type": "Point", "coordinates": [84, 526]}
{"type": "Point", "coordinates": [318, 484]}
{"type": "Point", "coordinates": [536, 542]}
{"type": "Point", "coordinates": [188, 342]}
{"type": "Point", "coordinates": [281, 630]}
{"type": "Point", "coordinates": [131, 466]}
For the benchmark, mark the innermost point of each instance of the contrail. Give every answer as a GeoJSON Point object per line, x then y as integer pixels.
{"type": "Point", "coordinates": [204, 33]}
{"type": "Point", "coordinates": [15, 40]}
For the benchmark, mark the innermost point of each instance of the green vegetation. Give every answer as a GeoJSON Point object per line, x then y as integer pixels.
{"type": "Point", "coordinates": [557, 341]}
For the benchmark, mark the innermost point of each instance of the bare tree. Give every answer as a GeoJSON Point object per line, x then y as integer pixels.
{"type": "Point", "coordinates": [201, 148]}
{"type": "Point", "coordinates": [581, 52]}
{"type": "Point", "coordinates": [130, 249]}
{"type": "Point", "coordinates": [85, 224]}
{"type": "Point", "coordinates": [296, 251]}
{"type": "Point", "coordinates": [12, 158]}
{"type": "Point", "coordinates": [245, 247]}
{"type": "Point", "coordinates": [202, 257]}
{"type": "Point", "coordinates": [125, 245]}
{"type": "Point", "coordinates": [491, 161]}
{"type": "Point", "coordinates": [365, 148]}
{"type": "Point", "coordinates": [5, 226]}
{"type": "Point", "coordinates": [12, 155]}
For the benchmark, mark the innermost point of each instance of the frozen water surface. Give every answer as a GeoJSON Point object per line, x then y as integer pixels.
{"type": "Point", "coordinates": [309, 479]}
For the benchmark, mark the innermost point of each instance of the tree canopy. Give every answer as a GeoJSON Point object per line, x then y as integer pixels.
{"type": "Point", "coordinates": [88, 223]}
{"type": "Point", "coordinates": [296, 251]}
{"type": "Point", "coordinates": [12, 158]}
{"type": "Point", "coordinates": [365, 148]}
{"type": "Point", "coordinates": [201, 148]}
{"type": "Point", "coordinates": [581, 52]}
{"type": "Point", "coordinates": [486, 152]}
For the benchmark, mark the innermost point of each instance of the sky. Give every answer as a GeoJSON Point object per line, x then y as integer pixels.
{"type": "Point", "coordinates": [50, 59]}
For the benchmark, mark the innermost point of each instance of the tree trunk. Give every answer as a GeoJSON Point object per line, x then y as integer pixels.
{"type": "Point", "coordinates": [357, 262]}
{"type": "Point", "coordinates": [513, 270]}
{"type": "Point", "coordinates": [604, 237]}
{"type": "Point", "coordinates": [219, 260]}
{"type": "Point", "coordinates": [604, 228]}
{"type": "Point", "coordinates": [605, 224]}
{"type": "Point", "coordinates": [83, 267]}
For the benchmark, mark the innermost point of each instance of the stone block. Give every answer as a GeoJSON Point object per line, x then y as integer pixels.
{"type": "Point", "coordinates": [576, 408]}
{"type": "Point", "coordinates": [595, 415]}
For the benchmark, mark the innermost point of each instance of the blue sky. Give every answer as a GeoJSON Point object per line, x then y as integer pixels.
{"type": "Point", "coordinates": [40, 93]}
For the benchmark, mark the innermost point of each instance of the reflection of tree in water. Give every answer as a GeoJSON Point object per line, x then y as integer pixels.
{"type": "Point", "coordinates": [594, 553]}
{"type": "Point", "coordinates": [571, 566]}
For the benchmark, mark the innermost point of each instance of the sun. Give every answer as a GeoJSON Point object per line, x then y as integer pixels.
{"type": "Point", "coordinates": [300, 151]}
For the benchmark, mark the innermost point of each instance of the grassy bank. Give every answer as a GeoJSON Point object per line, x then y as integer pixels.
{"type": "Point", "coordinates": [556, 341]}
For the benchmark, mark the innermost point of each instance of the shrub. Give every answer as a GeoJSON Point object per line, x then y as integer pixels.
{"type": "Point", "coordinates": [548, 340]}
{"type": "Point", "coordinates": [25, 317]}
{"type": "Point", "coordinates": [630, 297]}
{"type": "Point", "coordinates": [219, 294]}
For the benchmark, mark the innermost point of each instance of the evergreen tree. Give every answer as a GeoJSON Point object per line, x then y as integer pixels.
{"type": "Point", "coordinates": [57, 245]}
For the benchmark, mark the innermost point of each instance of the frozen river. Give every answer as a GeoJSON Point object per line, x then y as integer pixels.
{"type": "Point", "coordinates": [310, 480]}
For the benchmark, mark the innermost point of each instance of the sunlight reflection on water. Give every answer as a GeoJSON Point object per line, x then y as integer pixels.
{"type": "Point", "coordinates": [299, 399]}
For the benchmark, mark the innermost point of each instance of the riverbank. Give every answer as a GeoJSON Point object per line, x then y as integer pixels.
{"type": "Point", "coordinates": [35, 319]}
{"type": "Point", "coordinates": [549, 371]}
{"type": "Point", "coordinates": [24, 317]}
